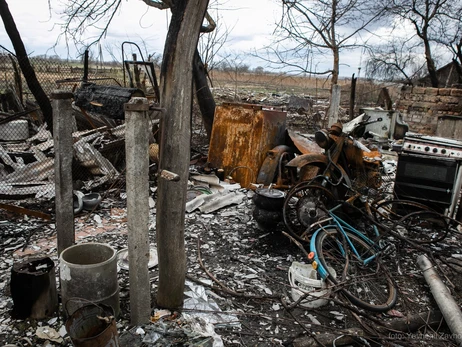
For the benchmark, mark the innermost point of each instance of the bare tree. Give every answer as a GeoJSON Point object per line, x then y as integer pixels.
{"type": "Point", "coordinates": [428, 18]}
{"type": "Point", "coordinates": [450, 34]}
{"type": "Point", "coordinates": [81, 13]}
{"type": "Point", "coordinates": [234, 65]}
{"type": "Point", "coordinates": [201, 70]}
{"type": "Point", "coordinates": [397, 60]}
{"type": "Point", "coordinates": [25, 65]}
{"type": "Point", "coordinates": [212, 42]}
{"type": "Point", "coordinates": [176, 92]}
{"type": "Point", "coordinates": [325, 27]}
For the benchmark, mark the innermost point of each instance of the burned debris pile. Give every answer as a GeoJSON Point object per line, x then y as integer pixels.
{"type": "Point", "coordinates": [291, 238]}
{"type": "Point", "coordinates": [27, 150]}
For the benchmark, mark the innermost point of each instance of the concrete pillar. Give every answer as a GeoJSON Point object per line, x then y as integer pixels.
{"type": "Point", "coordinates": [64, 152]}
{"type": "Point", "coordinates": [137, 176]}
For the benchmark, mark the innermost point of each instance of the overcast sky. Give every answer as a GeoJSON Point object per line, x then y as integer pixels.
{"type": "Point", "coordinates": [251, 24]}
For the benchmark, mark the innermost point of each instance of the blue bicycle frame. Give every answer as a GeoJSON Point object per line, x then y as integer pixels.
{"type": "Point", "coordinates": [342, 227]}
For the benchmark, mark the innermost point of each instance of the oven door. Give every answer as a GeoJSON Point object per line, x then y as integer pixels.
{"type": "Point", "coordinates": [426, 179]}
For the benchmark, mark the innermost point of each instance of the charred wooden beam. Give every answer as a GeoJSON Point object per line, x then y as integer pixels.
{"type": "Point", "coordinates": [25, 211]}
{"type": "Point", "coordinates": [105, 100]}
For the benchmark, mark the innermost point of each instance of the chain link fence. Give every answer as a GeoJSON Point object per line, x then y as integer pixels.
{"type": "Point", "coordinates": [26, 142]}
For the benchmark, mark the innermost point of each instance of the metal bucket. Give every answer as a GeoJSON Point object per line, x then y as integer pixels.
{"type": "Point", "coordinates": [33, 288]}
{"type": "Point", "coordinates": [89, 271]}
{"type": "Point", "coordinates": [93, 326]}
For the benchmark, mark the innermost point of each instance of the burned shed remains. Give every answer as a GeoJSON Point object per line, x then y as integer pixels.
{"type": "Point", "coordinates": [291, 236]}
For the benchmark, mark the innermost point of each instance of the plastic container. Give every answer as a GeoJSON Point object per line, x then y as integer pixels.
{"type": "Point", "coordinates": [304, 279]}
{"type": "Point", "coordinates": [89, 271]}
{"type": "Point", "coordinates": [90, 201]}
{"type": "Point", "coordinates": [16, 130]}
{"type": "Point", "coordinates": [77, 202]}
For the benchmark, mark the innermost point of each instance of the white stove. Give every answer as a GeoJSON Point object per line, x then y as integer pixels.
{"type": "Point", "coordinates": [432, 146]}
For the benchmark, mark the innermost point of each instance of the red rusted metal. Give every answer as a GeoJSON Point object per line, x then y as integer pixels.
{"type": "Point", "coordinates": [271, 168]}
{"type": "Point", "coordinates": [242, 135]}
{"type": "Point", "coordinates": [93, 326]}
{"type": "Point", "coordinates": [304, 144]}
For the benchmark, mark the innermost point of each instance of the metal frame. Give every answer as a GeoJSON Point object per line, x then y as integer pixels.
{"type": "Point", "coordinates": [148, 64]}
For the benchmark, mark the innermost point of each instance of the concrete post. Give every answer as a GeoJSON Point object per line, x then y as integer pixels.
{"type": "Point", "coordinates": [137, 176]}
{"type": "Point", "coordinates": [64, 152]}
{"type": "Point", "coordinates": [332, 113]}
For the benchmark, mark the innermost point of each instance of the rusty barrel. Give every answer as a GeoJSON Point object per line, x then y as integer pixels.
{"type": "Point", "coordinates": [93, 326]}
{"type": "Point", "coordinates": [88, 273]}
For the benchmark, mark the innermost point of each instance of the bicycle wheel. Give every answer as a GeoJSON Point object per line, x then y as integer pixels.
{"type": "Point", "coordinates": [304, 205]}
{"type": "Point", "coordinates": [389, 211]}
{"type": "Point", "coordinates": [368, 286]}
{"type": "Point", "coordinates": [423, 227]}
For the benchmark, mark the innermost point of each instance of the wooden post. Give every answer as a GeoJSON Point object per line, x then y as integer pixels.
{"type": "Point", "coordinates": [64, 152]}
{"type": "Point", "coordinates": [352, 97]}
{"type": "Point", "coordinates": [332, 113]}
{"type": "Point", "coordinates": [384, 99]}
{"type": "Point", "coordinates": [137, 159]}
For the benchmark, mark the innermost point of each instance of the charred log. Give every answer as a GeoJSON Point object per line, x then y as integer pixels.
{"type": "Point", "coordinates": [105, 100]}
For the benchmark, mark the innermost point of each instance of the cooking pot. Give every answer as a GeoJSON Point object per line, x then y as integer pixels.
{"type": "Point", "coordinates": [269, 199]}
{"type": "Point", "coordinates": [267, 220]}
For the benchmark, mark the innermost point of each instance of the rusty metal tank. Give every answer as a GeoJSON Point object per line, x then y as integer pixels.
{"type": "Point", "coordinates": [242, 134]}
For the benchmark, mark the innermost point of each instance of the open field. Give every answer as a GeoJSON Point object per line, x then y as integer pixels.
{"type": "Point", "coordinates": [61, 75]}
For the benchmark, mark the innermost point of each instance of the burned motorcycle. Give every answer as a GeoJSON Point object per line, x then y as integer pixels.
{"type": "Point", "coordinates": [328, 177]}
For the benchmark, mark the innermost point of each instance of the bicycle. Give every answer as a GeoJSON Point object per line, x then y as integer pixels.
{"type": "Point", "coordinates": [339, 249]}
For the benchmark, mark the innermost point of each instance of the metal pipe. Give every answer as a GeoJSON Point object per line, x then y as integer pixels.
{"type": "Point", "coordinates": [448, 306]}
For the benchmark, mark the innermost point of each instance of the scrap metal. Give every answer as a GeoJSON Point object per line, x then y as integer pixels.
{"type": "Point", "coordinates": [242, 134]}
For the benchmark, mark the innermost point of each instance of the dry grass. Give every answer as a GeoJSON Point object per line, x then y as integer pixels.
{"type": "Point", "coordinates": [367, 92]}
{"type": "Point", "coordinates": [272, 82]}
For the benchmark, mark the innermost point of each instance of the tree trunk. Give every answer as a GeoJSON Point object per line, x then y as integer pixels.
{"type": "Point", "coordinates": [203, 94]}
{"type": "Point", "coordinates": [332, 112]}
{"type": "Point", "coordinates": [176, 91]}
{"type": "Point", "coordinates": [23, 60]}
{"type": "Point", "coordinates": [430, 65]}
{"type": "Point", "coordinates": [458, 50]}
{"type": "Point", "coordinates": [384, 99]}
{"type": "Point", "coordinates": [336, 65]}
{"type": "Point", "coordinates": [458, 70]}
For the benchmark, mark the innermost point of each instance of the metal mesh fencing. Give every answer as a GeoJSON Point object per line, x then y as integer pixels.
{"type": "Point", "coordinates": [26, 142]}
